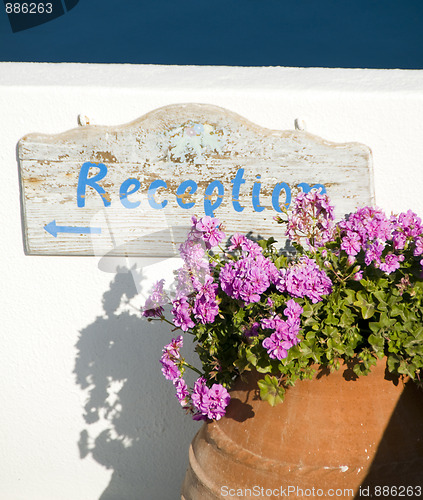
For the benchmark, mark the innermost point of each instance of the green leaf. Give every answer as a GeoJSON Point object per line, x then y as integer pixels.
{"type": "Point", "coordinates": [397, 311]}
{"type": "Point", "coordinates": [381, 297]}
{"type": "Point", "coordinates": [347, 318]}
{"type": "Point", "coordinates": [241, 364]}
{"type": "Point", "coordinates": [308, 311]}
{"type": "Point", "coordinates": [377, 342]}
{"type": "Point", "coordinates": [270, 390]}
{"type": "Point", "coordinates": [264, 365]}
{"type": "Point", "coordinates": [239, 316]}
{"type": "Point", "coordinates": [367, 307]}
{"type": "Point", "coordinates": [251, 357]}
{"type": "Point", "coordinates": [267, 243]}
{"type": "Point", "coordinates": [332, 319]}
{"type": "Point", "coordinates": [393, 363]}
{"type": "Point", "coordinates": [306, 350]}
{"type": "Point", "coordinates": [264, 369]}
{"type": "Point", "coordinates": [350, 296]}
{"type": "Point", "coordinates": [357, 369]}
{"type": "Point", "coordinates": [280, 261]}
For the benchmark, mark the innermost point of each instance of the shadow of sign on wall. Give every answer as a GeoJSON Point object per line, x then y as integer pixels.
{"type": "Point", "coordinates": [25, 15]}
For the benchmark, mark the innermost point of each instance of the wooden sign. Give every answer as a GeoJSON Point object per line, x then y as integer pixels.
{"type": "Point", "coordinates": [132, 189]}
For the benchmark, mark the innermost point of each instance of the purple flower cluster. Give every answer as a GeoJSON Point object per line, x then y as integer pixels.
{"type": "Point", "coordinates": [209, 402]}
{"type": "Point", "coordinates": [170, 359]}
{"type": "Point", "coordinates": [312, 218]}
{"type": "Point", "coordinates": [181, 312]}
{"type": "Point", "coordinates": [153, 305]}
{"type": "Point", "coordinates": [285, 332]}
{"type": "Point", "coordinates": [211, 287]}
{"type": "Point", "coordinates": [391, 263]}
{"type": "Point", "coordinates": [367, 225]}
{"type": "Point", "coordinates": [205, 306]}
{"type": "Point", "coordinates": [407, 227]}
{"type": "Point", "coordinates": [371, 231]}
{"type": "Point", "coordinates": [204, 402]}
{"type": "Point", "coordinates": [196, 266]}
{"type": "Point", "coordinates": [182, 392]}
{"type": "Point", "coordinates": [196, 292]}
{"type": "Point", "coordinates": [207, 229]}
{"type": "Point", "coordinates": [304, 279]}
{"type": "Point", "coordinates": [247, 247]}
{"type": "Point", "coordinates": [247, 278]}
{"type": "Point", "coordinates": [252, 330]}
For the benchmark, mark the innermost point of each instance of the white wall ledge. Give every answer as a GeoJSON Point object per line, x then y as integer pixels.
{"type": "Point", "coordinates": [210, 77]}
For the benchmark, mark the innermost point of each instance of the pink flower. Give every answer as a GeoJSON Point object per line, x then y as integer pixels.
{"type": "Point", "coordinates": [172, 349]}
{"type": "Point", "coordinates": [210, 403]}
{"type": "Point", "coordinates": [305, 279]}
{"type": "Point", "coordinates": [285, 333]}
{"type": "Point", "coordinates": [182, 392]}
{"type": "Point", "coordinates": [407, 227]}
{"type": "Point", "coordinates": [237, 241]}
{"type": "Point", "coordinates": [182, 314]}
{"type": "Point", "coordinates": [169, 369]}
{"type": "Point", "coordinates": [312, 218]}
{"type": "Point", "coordinates": [363, 227]}
{"type": "Point", "coordinates": [205, 308]}
{"type": "Point", "coordinates": [247, 278]}
{"type": "Point", "coordinates": [392, 263]}
{"type": "Point", "coordinates": [351, 243]}
{"type": "Point", "coordinates": [170, 358]}
{"type": "Point", "coordinates": [358, 276]}
{"type": "Point", "coordinates": [418, 250]}
{"type": "Point", "coordinates": [207, 229]}
{"type": "Point", "coordinates": [276, 346]}
{"type": "Point", "coordinates": [293, 309]}
{"type": "Point", "coordinates": [153, 304]}
{"type": "Point", "coordinates": [374, 253]}
{"type": "Point", "coordinates": [252, 330]}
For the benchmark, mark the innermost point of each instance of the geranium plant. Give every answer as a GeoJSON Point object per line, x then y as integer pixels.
{"type": "Point", "coordinates": [352, 292]}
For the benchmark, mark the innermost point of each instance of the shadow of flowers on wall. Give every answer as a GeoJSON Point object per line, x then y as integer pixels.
{"type": "Point", "coordinates": [134, 424]}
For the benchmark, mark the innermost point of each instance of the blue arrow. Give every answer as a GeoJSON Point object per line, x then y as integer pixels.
{"type": "Point", "coordinates": [53, 229]}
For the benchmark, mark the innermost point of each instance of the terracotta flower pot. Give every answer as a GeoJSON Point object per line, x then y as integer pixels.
{"type": "Point", "coordinates": [335, 432]}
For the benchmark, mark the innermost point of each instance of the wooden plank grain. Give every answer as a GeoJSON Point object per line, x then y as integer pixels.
{"type": "Point", "coordinates": [235, 171]}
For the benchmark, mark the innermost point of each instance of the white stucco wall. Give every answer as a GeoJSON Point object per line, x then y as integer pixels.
{"type": "Point", "coordinates": [64, 321]}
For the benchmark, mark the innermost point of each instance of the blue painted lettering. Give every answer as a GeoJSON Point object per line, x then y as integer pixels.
{"type": "Point", "coordinates": [276, 194]}
{"type": "Point", "coordinates": [237, 181]}
{"type": "Point", "coordinates": [256, 196]}
{"type": "Point", "coordinates": [307, 188]}
{"type": "Point", "coordinates": [187, 187]}
{"type": "Point", "coordinates": [209, 207]}
{"type": "Point", "coordinates": [125, 190]}
{"type": "Point", "coordinates": [84, 181]}
{"type": "Point", "coordinates": [213, 195]}
{"type": "Point", "coordinates": [154, 186]}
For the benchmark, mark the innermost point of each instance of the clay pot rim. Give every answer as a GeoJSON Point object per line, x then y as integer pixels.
{"type": "Point", "coordinates": [345, 371]}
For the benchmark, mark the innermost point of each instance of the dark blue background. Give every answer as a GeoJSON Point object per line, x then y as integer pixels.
{"type": "Point", "coordinates": [331, 33]}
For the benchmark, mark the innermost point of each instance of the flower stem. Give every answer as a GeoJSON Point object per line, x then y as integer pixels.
{"type": "Point", "coordinates": [192, 368]}
{"type": "Point", "coordinates": [166, 321]}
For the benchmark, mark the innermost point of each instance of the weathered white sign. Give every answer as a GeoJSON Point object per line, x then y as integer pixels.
{"type": "Point", "coordinates": [132, 189]}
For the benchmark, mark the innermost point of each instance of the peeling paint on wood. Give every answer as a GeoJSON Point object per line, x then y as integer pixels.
{"type": "Point", "coordinates": [174, 162]}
